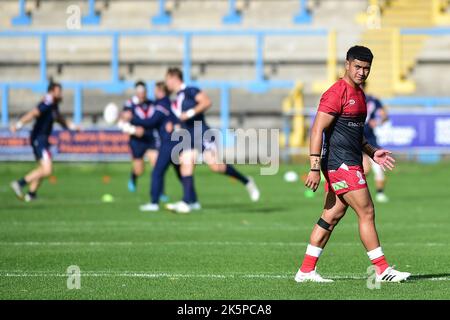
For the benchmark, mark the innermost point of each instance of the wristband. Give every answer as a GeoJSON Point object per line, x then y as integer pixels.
{"type": "Point", "coordinates": [121, 124]}
{"type": "Point", "coordinates": [315, 170]}
{"type": "Point", "coordinates": [190, 113]}
{"type": "Point", "coordinates": [19, 125]}
{"type": "Point", "coordinates": [314, 155]}
{"type": "Point", "coordinates": [132, 130]}
{"type": "Point", "coordinates": [128, 128]}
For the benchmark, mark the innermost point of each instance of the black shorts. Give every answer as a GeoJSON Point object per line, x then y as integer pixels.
{"type": "Point", "coordinates": [139, 147]}
{"type": "Point", "coordinates": [41, 148]}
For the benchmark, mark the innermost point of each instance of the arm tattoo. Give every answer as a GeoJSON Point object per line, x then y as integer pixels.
{"type": "Point", "coordinates": [315, 163]}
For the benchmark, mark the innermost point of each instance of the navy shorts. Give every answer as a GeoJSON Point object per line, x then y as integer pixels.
{"type": "Point", "coordinates": [41, 148]}
{"type": "Point", "coordinates": [139, 147]}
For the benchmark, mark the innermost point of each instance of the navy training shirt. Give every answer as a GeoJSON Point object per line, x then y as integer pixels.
{"type": "Point", "coordinates": [185, 101]}
{"type": "Point", "coordinates": [48, 113]}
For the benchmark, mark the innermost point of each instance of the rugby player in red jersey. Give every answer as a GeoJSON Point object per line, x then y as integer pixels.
{"type": "Point", "coordinates": [339, 124]}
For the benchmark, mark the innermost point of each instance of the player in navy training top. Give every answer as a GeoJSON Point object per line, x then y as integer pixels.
{"type": "Point", "coordinates": [165, 122]}
{"type": "Point", "coordinates": [190, 106]}
{"type": "Point", "coordinates": [341, 116]}
{"type": "Point", "coordinates": [376, 115]}
{"type": "Point", "coordinates": [139, 106]}
{"type": "Point", "coordinates": [46, 112]}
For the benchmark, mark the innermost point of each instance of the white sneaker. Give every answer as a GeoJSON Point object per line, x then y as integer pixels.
{"type": "Point", "coordinates": [28, 198]}
{"type": "Point", "coordinates": [195, 206]}
{"type": "Point", "coordinates": [17, 190]}
{"type": "Point", "coordinates": [381, 197]}
{"type": "Point", "coordinates": [312, 276]}
{"type": "Point", "coordinates": [149, 207]}
{"type": "Point", "coordinates": [179, 207]}
{"type": "Point", "coordinates": [252, 189]}
{"type": "Point", "coordinates": [392, 275]}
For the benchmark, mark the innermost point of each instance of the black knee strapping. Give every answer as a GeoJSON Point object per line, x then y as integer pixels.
{"type": "Point", "coordinates": [323, 224]}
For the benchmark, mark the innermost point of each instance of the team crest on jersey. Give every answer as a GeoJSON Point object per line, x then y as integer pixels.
{"type": "Point", "coordinates": [144, 113]}
{"type": "Point", "coordinates": [339, 185]}
{"type": "Point", "coordinates": [351, 101]}
{"type": "Point", "coordinates": [361, 178]}
{"type": "Point", "coordinates": [177, 105]}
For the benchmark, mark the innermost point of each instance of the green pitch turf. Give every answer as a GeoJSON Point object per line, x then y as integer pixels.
{"type": "Point", "coordinates": [232, 249]}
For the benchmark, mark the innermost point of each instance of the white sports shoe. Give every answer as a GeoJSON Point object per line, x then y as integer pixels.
{"type": "Point", "coordinates": [312, 276]}
{"type": "Point", "coordinates": [149, 207]}
{"type": "Point", "coordinates": [17, 190]}
{"type": "Point", "coordinates": [195, 206]}
{"type": "Point", "coordinates": [392, 275]}
{"type": "Point", "coordinates": [179, 207]}
{"type": "Point", "coordinates": [28, 198]}
{"type": "Point", "coordinates": [252, 189]}
{"type": "Point", "coordinates": [381, 197]}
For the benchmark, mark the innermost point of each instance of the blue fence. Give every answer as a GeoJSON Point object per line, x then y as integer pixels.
{"type": "Point", "coordinates": [115, 85]}
{"type": "Point", "coordinates": [234, 16]}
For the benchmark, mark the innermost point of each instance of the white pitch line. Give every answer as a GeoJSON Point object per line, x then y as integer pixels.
{"type": "Point", "coordinates": [201, 243]}
{"type": "Point", "coordinates": [192, 226]}
{"type": "Point", "coordinates": [159, 275]}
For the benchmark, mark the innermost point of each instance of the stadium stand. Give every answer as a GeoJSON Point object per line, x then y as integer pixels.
{"type": "Point", "coordinates": [311, 59]}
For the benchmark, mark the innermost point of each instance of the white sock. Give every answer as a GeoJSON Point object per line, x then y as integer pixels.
{"type": "Point", "coordinates": [313, 251]}
{"type": "Point", "coordinates": [375, 253]}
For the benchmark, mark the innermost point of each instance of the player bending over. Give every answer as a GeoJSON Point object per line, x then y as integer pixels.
{"type": "Point", "coordinates": [341, 116]}
{"type": "Point", "coordinates": [44, 115]}
{"type": "Point", "coordinates": [190, 105]}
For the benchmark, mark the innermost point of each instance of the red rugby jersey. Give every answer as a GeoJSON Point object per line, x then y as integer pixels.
{"type": "Point", "coordinates": [343, 139]}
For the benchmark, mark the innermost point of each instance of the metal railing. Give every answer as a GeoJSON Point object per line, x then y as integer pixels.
{"type": "Point", "coordinates": [116, 85]}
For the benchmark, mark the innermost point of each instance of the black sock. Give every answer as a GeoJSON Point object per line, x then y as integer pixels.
{"type": "Point", "coordinates": [232, 172]}
{"type": "Point", "coordinates": [22, 182]}
{"type": "Point", "coordinates": [380, 190]}
{"type": "Point", "coordinates": [193, 192]}
{"type": "Point", "coordinates": [32, 194]}
{"type": "Point", "coordinates": [133, 177]}
{"type": "Point", "coordinates": [189, 193]}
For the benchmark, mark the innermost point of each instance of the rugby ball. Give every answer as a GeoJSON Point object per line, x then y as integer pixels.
{"type": "Point", "coordinates": [111, 113]}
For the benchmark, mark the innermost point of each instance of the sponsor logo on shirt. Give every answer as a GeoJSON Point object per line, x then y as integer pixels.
{"type": "Point", "coordinates": [355, 124]}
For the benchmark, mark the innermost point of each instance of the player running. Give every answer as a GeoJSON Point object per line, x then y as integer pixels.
{"type": "Point", "coordinates": [341, 116]}
{"type": "Point", "coordinates": [44, 115]}
{"type": "Point", "coordinates": [139, 106]}
{"type": "Point", "coordinates": [376, 115]}
{"type": "Point", "coordinates": [190, 106]}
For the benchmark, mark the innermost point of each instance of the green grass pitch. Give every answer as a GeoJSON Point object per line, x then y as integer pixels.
{"type": "Point", "coordinates": [232, 249]}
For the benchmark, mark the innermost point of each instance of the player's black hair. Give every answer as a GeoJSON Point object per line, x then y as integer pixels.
{"type": "Point", "coordinates": [162, 85]}
{"type": "Point", "coordinates": [359, 52]}
{"type": "Point", "coordinates": [175, 72]}
{"type": "Point", "coordinates": [140, 83]}
{"type": "Point", "coordinates": [52, 85]}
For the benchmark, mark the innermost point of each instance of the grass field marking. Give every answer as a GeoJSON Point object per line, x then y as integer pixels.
{"type": "Point", "coordinates": [200, 243]}
{"type": "Point", "coordinates": [195, 226]}
{"type": "Point", "coordinates": [159, 275]}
